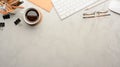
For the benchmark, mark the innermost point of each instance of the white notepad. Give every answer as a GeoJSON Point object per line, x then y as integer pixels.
{"type": "Point", "coordinates": [65, 8]}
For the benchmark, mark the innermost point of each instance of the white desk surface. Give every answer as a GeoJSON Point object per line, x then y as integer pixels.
{"type": "Point", "coordinates": [73, 42]}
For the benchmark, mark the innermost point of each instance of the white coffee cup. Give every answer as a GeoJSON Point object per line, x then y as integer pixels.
{"type": "Point", "coordinates": [35, 12]}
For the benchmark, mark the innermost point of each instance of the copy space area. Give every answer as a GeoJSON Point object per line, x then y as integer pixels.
{"type": "Point", "coordinates": [72, 42]}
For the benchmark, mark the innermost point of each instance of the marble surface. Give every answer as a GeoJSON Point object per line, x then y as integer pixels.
{"type": "Point", "coordinates": [73, 42]}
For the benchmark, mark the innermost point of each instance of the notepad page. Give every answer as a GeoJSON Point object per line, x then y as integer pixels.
{"type": "Point", "coordinates": [66, 8]}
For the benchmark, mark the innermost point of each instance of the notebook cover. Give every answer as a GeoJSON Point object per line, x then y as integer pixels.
{"type": "Point", "coordinates": [44, 4]}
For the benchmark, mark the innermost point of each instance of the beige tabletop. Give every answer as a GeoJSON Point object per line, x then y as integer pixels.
{"type": "Point", "coordinates": [73, 42]}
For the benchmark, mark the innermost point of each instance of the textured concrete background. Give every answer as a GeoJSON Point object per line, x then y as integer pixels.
{"type": "Point", "coordinates": [73, 42]}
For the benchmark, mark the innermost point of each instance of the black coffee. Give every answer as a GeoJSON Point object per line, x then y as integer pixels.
{"type": "Point", "coordinates": [32, 15]}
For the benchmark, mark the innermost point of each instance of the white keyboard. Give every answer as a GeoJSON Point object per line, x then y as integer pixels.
{"type": "Point", "coordinates": [65, 8]}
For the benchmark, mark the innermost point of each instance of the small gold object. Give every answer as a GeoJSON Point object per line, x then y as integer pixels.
{"type": "Point", "coordinates": [90, 15]}
{"type": "Point", "coordinates": [96, 14]}
{"type": "Point", "coordinates": [102, 14]}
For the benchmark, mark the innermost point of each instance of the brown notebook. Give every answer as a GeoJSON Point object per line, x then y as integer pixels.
{"type": "Point", "coordinates": [44, 4]}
